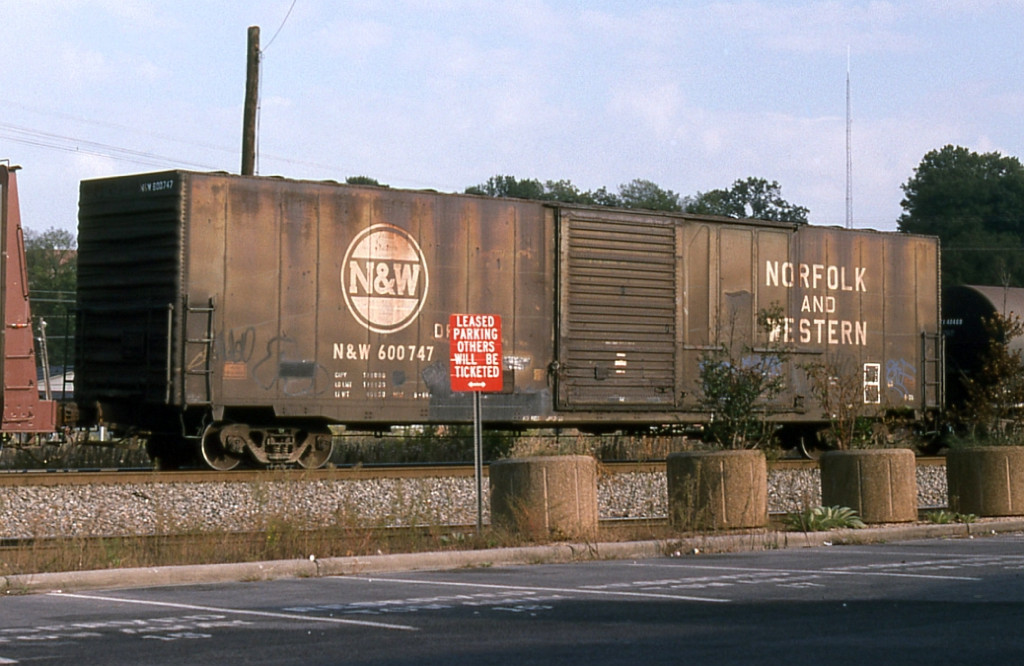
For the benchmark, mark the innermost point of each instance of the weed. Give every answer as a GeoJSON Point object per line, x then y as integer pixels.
{"type": "Point", "coordinates": [737, 384]}
{"type": "Point", "coordinates": [943, 517]}
{"type": "Point", "coordinates": [822, 519]}
{"type": "Point", "coordinates": [838, 386]}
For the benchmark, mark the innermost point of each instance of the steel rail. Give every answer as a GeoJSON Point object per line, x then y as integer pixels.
{"type": "Point", "coordinates": [356, 472]}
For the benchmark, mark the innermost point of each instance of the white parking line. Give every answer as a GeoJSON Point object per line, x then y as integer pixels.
{"type": "Point", "coordinates": [854, 570]}
{"type": "Point", "coordinates": [236, 611]}
{"type": "Point", "coordinates": [530, 588]}
{"type": "Point", "coordinates": [944, 559]}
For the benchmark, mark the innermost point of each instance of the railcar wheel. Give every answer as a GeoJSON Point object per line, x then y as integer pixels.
{"type": "Point", "coordinates": [222, 448]}
{"type": "Point", "coordinates": [320, 446]}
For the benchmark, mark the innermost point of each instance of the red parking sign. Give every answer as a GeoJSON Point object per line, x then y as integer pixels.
{"type": "Point", "coordinates": [474, 345]}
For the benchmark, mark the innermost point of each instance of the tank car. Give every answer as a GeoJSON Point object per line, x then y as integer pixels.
{"type": "Point", "coordinates": [965, 309]}
{"type": "Point", "coordinates": [241, 316]}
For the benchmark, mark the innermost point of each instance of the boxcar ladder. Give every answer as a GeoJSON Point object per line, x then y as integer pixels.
{"type": "Point", "coordinates": [933, 373]}
{"type": "Point", "coordinates": [198, 351]}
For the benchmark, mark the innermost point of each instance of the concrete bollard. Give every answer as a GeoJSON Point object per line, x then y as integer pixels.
{"type": "Point", "coordinates": [717, 489]}
{"type": "Point", "coordinates": [879, 484]}
{"type": "Point", "coordinates": [545, 496]}
{"type": "Point", "coordinates": [986, 480]}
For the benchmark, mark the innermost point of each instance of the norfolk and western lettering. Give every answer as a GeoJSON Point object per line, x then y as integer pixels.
{"type": "Point", "coordinates": [819, 321]}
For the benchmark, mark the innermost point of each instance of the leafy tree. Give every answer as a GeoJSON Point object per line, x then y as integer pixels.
{"type": "Point", "coordinates": [992, 411]}
{"type": "Point", "coordinates": [644, 194]}
{"type": "Point", "coordinates": [737, 384]}
{"type": "Point", "coordinates": [713, 202]}
{"type": "Point", "coordinates": [838, 387]}
{"type": "Point", "coordinates": [511, 187]}
{"type": "Point", "coordinates": [753, 197]}
{"type": "Point", "coordinates": [602, 197]}
{"type": "Point", "coordinates": [975, 204]}
{"type": "Point", "coordinates": [566, 192]}
{"type": "Point", "coordinates": [363, 180]}
{"type": "Point", "coordinates": [51, 261]}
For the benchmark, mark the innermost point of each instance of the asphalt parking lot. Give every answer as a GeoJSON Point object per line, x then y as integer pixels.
{"type": "Point", "coordinates": [940, 600]}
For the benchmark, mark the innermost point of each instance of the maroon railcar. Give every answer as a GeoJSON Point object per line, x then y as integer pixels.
{"type": "Point", "coordinates": [247, 314]}
{"type": "Point", "coordinates": [22, 410]}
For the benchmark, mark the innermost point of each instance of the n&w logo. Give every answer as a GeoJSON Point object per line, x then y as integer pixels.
{"type": "Point", "coordinates": [384, 278]}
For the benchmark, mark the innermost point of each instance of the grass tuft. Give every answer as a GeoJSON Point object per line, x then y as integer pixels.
{"type": "Point", "coordinates": [823, 519]}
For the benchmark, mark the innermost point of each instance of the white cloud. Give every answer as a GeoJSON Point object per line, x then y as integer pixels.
{"type": "Point", "coordinates": [447, 93]}
{"type": "Point", "coordinates": [818, 27]}
{"type": "Point", "coordinates": [83, 67]}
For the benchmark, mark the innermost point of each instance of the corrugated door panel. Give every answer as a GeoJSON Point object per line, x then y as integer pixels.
{"type": "Point", "coordinates": [129, 271]}
{"type": "Point", "coordinates": [618, 300]}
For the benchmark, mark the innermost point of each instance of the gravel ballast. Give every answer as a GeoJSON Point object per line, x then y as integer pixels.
{"type": "Point", "coordinates": [168, 508]}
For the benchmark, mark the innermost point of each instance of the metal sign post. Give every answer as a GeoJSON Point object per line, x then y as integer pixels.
{"type": "Point", "coordinates": [474, 345]}
{"type": "Point", "coordinates": [478, 462]}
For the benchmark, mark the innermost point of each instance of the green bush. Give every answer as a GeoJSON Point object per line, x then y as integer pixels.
{"type": "Point", "coordinates": [823, 518]}
{"type": "Point", "coordinates": [942, 517]}
{"type": "Point", "coordinates": [737, 384]}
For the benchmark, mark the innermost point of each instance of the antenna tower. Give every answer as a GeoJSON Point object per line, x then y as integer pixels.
{"type": "Point", "coordinates": [849, 157]}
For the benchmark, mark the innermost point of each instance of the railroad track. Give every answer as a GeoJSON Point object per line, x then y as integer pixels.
{"type": "Point", "coordinates": [107, 476]}
{"type": "Point", "coordinates": [397, 471]}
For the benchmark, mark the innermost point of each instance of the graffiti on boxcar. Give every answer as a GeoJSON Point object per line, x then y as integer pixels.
{"type": "Point", "coordinates": [901, 377]}
{"type": "Point", "coordinates": [237, 345]}
{"type": "Point", "coordinates": [284, 368]}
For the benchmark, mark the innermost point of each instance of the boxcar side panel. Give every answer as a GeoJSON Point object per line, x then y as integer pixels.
{"type": "Point", "coordinates": [333, 302]}
{"type": "Point", "coordinates": [735, 286]}
{"type": "Point", "coordinates": [698, 306]}
{"type": "Point", "coordinates": [305, 300]}
{"type": "Point", "coordinates": [901, 358]}
{"type": "Point", "coordinates": [771, 245]}
{"type": "Point", "coordinates": [854, 304]}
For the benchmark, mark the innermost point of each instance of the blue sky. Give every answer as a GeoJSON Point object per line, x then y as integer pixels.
{"type": "Point", "coordinates": [443, 94]}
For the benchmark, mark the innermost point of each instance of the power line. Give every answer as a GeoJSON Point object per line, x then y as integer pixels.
{"type": "Point", "coordinates": [259, 88]}
{"type": "Point", "coordinates": [31, 137]}
{"type": "Point", "coordinates": [280, 27]}
{"type": "Point", "coordinates": [111, 125]}
{"type": "Point", "coordinates": [39, 138]}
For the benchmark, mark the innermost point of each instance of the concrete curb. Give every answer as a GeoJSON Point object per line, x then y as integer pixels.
{"type": "Point", "coordinates": [544, 554]}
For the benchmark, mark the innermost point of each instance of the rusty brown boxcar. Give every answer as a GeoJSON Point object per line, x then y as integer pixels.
{"type": "Point", "coordinates": [247, 314]}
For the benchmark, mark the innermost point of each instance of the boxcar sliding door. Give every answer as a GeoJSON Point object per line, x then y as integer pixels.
{"type": "Point", "coordinates": [617, 311]}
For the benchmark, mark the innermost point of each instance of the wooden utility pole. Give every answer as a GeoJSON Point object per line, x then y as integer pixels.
{"type": "Point", "coordinates": [252, 93]}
